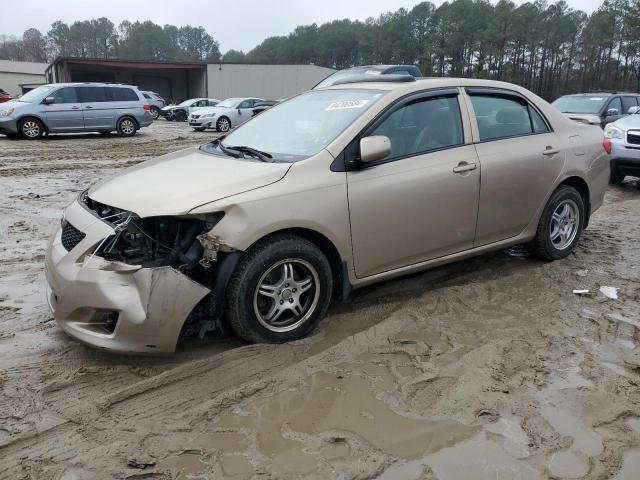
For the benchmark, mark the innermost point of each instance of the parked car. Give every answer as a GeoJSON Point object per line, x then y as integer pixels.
{"type": "Point", "coordinates": [598, 108]}
{"type": "Point", "coordinates": [228, 114]}
{"type": "Point", "coordinates": [76, 107]}
{"type": "Point", "coordinates": [156, 101]}
{"type": "Point", "coordinates": [181, 111]}
{"type": "Point", "coordinates": [369, 71]}
{"type": "Point", "coordinates": [622, 140]}
{"type": "Point", "coordinates": [260, 107]}
{"type": "Point", "coordinates": [4, 96]}
{"type": "Point", "coordinates": [330, 190]}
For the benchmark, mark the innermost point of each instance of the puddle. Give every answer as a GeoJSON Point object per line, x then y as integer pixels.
{"type": "Point", "coordinates": [514, 439]}
{"type": "Point", "coordinates": [289, 425]}
{"type": "Point", "coordinates": [634, 423]}
{"type": "Point", "coordinates": [477, 458]}
{"type": "Point", "coordinates": [630, 466]}
{"type": "Point", "coordinates": [560, 405]}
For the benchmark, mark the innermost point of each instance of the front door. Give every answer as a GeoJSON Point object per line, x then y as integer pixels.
{"type": "Point", "coordinates": [420, 202]}
{"type": "Point", "coordinates": [98, 111]}
{"type": "Point", "coordinates": [520, 159]}
{"type": "Point", "coordinates": [65, 113]}
{"type": "Point", "coordinates": [244, 112]}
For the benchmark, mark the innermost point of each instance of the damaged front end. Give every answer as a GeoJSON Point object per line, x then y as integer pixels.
{"type": "Point", "coordinates": [133, 284]}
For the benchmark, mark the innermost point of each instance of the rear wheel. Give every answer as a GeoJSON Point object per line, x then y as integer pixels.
{"type": "Point", "coordinates": [155, 113]}
{"type": "Point", "coordinates": [30, 128]}
{"type": "Point", "coordinates": [223, 124]}
{"type": "Point", "coordinates": [280, 290]}
{"type": "Point", "coordinates": [560, 225]}
{"type": "Point", "coordinates": [126, 127]}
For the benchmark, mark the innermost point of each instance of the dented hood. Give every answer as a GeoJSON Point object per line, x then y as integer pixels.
{"type": "Point", "coordinates": [175, 183]}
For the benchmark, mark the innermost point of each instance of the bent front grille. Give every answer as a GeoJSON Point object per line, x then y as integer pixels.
{"type": "Point", "coordinates": [633, 138]}
{"type": "Point", "coordinates": [71, 237]}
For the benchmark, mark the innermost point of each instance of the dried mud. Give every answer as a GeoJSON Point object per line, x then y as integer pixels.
{"type": "Point", "coordinates": [487, 369]}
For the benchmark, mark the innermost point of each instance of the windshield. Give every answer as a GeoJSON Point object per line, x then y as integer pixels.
{"type": "Point", "coordinates": [580, 104]}
{"type": "Point", "coordinates": [303, 126]}
{"type": "Point", "coordinates": [37, 94]}
{"type": "Point", "coordinates": [229, 103]}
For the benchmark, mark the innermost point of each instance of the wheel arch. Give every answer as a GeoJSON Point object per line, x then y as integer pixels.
{"type": "Point", "coordinates": [582, 187]}
{"type": "Point", "coordinates": [33, 115]}
{"type": "Point", "coordinates": [128, 115]}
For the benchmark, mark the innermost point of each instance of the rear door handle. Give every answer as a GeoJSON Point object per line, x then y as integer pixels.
{"type": "Point", "coordinates": [464, 167]}
{"type": "Point", "coordinates": [88, 107]}
{"type": "Point", "coordinates": [549, 151]}
{"type": "Point", "coordinates": [75, 108]}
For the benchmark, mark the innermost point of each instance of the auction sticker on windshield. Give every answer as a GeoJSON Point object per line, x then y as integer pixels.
{"type": "Point", "coordinates": [345, 104]}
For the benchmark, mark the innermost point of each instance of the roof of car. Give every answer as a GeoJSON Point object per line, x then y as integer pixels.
{"type": "Point", "coordinates": [379, 83]}
{"type": "Point", "coordinates": [89, 84]}
{"type": "Point", "coordinates": [600, 94]}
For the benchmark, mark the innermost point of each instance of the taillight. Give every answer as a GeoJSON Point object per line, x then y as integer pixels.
{"type": "Point", "coordinates": [606, 143]}
{"type": "Point", "coordinates": [147, 107]}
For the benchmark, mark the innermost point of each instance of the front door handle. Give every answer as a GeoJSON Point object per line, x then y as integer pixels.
{"type": "Point", "coordinates": [549, 151]}
{"type": "Point", "coordinates": [464, 167]}
{"type": "Point", "coordinates": [88, 107]}
{"type": "Point", "coordinates": [75, 108]}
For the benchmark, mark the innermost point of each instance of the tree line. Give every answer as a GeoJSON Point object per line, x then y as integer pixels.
{"type": "Point", "coordinates": [547, 47]}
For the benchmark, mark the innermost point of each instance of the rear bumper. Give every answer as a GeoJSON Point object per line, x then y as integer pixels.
{"type": "Point", "coordinates": [114, 306]}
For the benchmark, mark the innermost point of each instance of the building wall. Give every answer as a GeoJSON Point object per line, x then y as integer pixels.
{"type": "Point", "coordinates": [271, 82]}
{"type": "Point", "coordinates": [10, 81]}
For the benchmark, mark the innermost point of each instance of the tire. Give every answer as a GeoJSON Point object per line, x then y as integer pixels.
{"type": "Point", "coordinates": [155, 113]}
{"type": "Point", "coordinates": [199, 129]}
{"type": "Point", "coordinates": [30, 128]}
{"type": "Point", "coordinates": [126, 127]}
{"type": "Point", "coordinates": [560, 225]}
{"type": "Point", "coordinates": [616, 177]}
{"type": "Point", "coordinates": [180, 116]}
{"type": "Point", "coordinates": [223, 125]}
{"type": "Point", "coordinates": [279, 265]}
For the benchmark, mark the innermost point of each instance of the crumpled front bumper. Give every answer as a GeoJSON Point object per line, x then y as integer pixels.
{"type": "Point", "coordinates": [112, 305]}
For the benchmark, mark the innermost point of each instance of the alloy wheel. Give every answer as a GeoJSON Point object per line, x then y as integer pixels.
{"type": "Point", "coordinates": [127, 126]}
{"type": "Point", "coordinates": [565, 223]}
{"type": "Point", "coordinates": [286, 295]}
{"type": "Point", "coordinates": [31, 129]}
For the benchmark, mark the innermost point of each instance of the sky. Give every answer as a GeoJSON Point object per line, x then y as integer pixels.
{"type": "Point", "coordinates": [237, 24]}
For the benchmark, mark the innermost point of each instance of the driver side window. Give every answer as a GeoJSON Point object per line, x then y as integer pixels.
{"type": "Point", "coordinates": [65, 95]}
{"type": "Point", "coordinates": [422, 126]}
{"type": "Point", "coordinates": [246, 104]}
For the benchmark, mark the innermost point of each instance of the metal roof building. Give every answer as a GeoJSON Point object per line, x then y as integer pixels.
{"type": "Point", "coordinates": [177, 81]}
{"type": "Point", "coordinates": [14, 75]}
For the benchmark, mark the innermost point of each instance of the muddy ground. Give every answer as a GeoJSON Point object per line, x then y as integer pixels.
{"type": "Point", "coordinates": [487, 369]}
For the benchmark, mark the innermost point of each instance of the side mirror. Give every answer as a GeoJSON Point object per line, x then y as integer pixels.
{"type": "Point", "coordinates": [612, 111]}
{"type": "Point", "coordinates": [374, 148]}
{"type": "Point", "coordinates": [49, 100]}
{"type": "Point", "coordinates": [634, 110]}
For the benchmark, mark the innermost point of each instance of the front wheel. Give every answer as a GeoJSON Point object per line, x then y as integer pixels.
{"type": "Point", "coordinates": [223, 124]}
{"type": "Point", "coordinates": [31, 128]}
{"type": "Point", "coordinates": [280, 290]}
{"type": "Point", "coordinates": [616, 177]}
{"type": "Point", "coordinates": [560, 225]}
{"type": "Point", "coordinates": [126, 127]}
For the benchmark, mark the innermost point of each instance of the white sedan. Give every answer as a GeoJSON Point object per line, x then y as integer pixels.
{"type": "Point", "coordinates": [226, 115]}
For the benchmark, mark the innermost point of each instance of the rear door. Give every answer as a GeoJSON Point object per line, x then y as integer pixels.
{"type": "Point", "coordinates": [98, 111]}
{"type": "Point", "coordinates": [421, 202]}
{"type": "Point", "coordinates": [521, 157]}
{"type": "Point", "coordinates": [65, 114]}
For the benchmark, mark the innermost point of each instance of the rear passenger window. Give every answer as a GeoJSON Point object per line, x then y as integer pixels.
{"type": "Point", "coordinates": [65, 95]}
{"type": "Point", "coordinates": [122, 94]}
{"type": "Point", "coordinates": [501, 117]}
{"type": "Point", "coordinates": [422, 126]}
{"type": "Point", "coordinates": [92, 94]}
